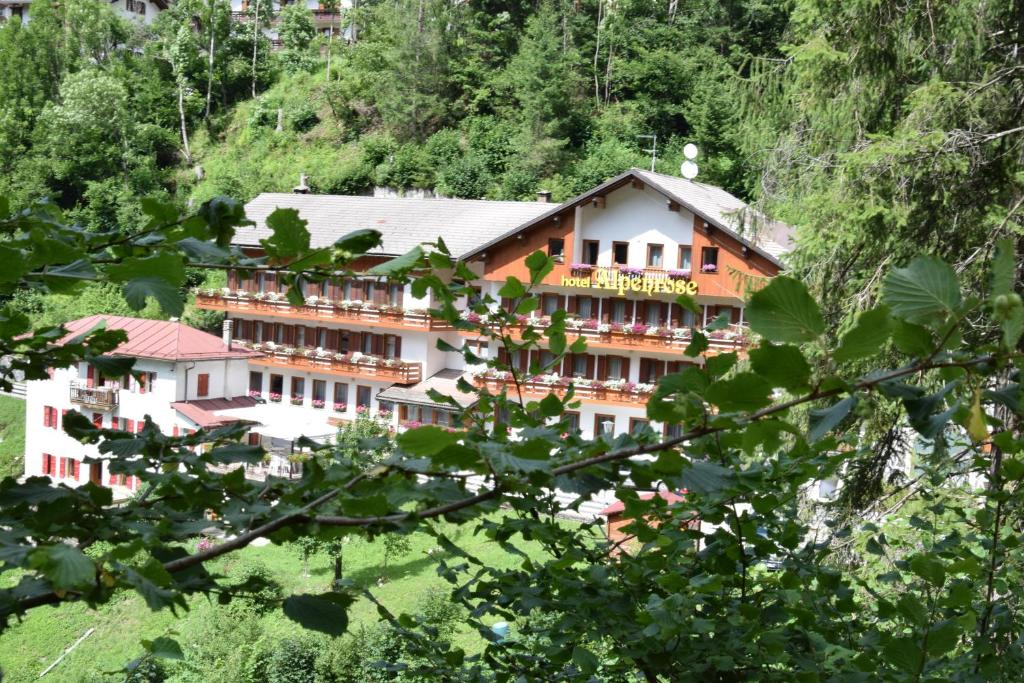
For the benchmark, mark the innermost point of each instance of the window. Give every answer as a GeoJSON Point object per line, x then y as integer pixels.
{"type": "Point", "coordinates": [319, 393]}
{"type": "Point", "coordinates": [298, 388]}
{"type": "Point", "coordinates": [546, 359]}
{"type": "Point", "coordinates": [363, 397]}
{"type": "Point", "coordinates": [685, 258]}
{"type": "Point", "coordinates": [655, 252]}
{"type": "Point", "coordinates": [340, 396]}
{"type": "Point", "coordinates": [585, 307]}
{"type": "Point", "coordinates": [573, 420]}
{"type": "Point", "coordinates": [709, 260]}
{"type": "Point", "coordinates": [203, 384]}
{"type": "Point", "coordinates": [277, 384]}
{"type": "Point", "coordinates": [688, 320]}
{"type": "Point", "coordinates": [638, 425]}
{"type": "Point", "coordinates": [50, 418]}
{"type": "Point", "coordinates": [255, 382]}
{"type": "Point", "coordinates": [390, 346]}
{"type": "Point", "coordinates": [300, 336]}
{"type": "Point", "coordinates": [673, 431]}
{"type": "Point", "coordinates": [49, 464]}
{"type": "Point", "coordinates": [604, 425]}
{"type": "Point", "coordinates": [551, 303]}
{"type": "Point", "coordinates": [97, 420]}
{"type": "Point", "coordinates": [650, 370]}
{"type": "Point", "coordinates": [620, 253]}
{"type": "Point", "coordinates": [590, 251]}
{"type": "Point", "coordinates": [385, 407]}
{"type": "Point", "coordinates": [347, 290]}
{"type": "Point", "coordinates": [556, 248]}
{"type": "Point", "coordinates": [727, 311]}
{"type": "Point", "coordinates": [613, 368]}
{"type": "Point", "coordinates": [366, 344]}
{"type": "Point", "coordinates": [652, 314]}
{"type": "Point", "coordinates": [579, 365]}
{"type": "Point", "coordinates": [618, 311]}
{"type": "Point", "coordinates": [477, 297]}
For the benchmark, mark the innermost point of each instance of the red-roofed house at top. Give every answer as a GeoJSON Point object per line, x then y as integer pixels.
{"type": "Point", "coordinates": [187, 378]}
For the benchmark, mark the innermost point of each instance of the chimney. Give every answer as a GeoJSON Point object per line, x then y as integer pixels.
{"type": "Point", "coordinates": [544, 196]}
{"type": "Point", "coordinates": [302, 187]}
{"type": "Point", "coordinates": [226, 333]}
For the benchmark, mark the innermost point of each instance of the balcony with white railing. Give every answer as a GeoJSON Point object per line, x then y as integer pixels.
{"type": "Point", "coordinates": [352, 364]}
{"type": "Point", "coordinates": [613, 391]}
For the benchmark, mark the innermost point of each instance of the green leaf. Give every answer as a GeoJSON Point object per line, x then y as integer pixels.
{"type": "Point", "coordinates": [744, 391]}
{"type": "Point", "coordinates": [689, 303]}
{"type": "Point", "coordinates": [290, 237]}
{"type": "Point", "coordinates": [784, 311]}
{"type": "Point", "coordinates": [64, 566]}
{"type": "Point", "coordinates": [926, 291]}
{"type": "Point", "coordinates": [358, 241]}
{"type": "Point", "coordinates": [540, 264]}
{"type": "Point", "coordinates": [426, 440]}
{"type": "Point", "coordinates": [550, 406]}
{"type": "Point", "coordinates": [904, 653]}
{"type": "Point", "coordinates": [782, 365]}
{"type": "Point", "coordinates": [824, 420]}
{"type": "Point", "coordinates": [706, 478]}
{"type": "Point", "coordinates": [400, 266]}
{"type": "Point", "coordinates": [866, 337]}
{"type": "Point", "coordinates": [167, 295]}
{"type": "Point", "coordinates": [1004, 267]}
{"type": "Point", "coordinates": [512, 288]}
{"type": "Point", "coordinates": [913, 340]}
{"type": "Point", "coordinates": [327, 613]}
{"type": "Point", "coordinates": [698, 345]}
{"type": "Point", "coordinates": [165, 266]}
{"type": "Point", "coordinates": [585, 660]}
{"type": "Point", "coordinates": [164, 648]}
{"type": "Point", "coordinates": [928, 568]}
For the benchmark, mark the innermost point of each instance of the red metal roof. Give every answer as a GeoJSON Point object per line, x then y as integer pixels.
{"type": "Point", "coordinates": [618, 506]}
{"type": "Point", "coordinates": [202, 411]}
{"type": "Point", "coordinates": [159, 339]}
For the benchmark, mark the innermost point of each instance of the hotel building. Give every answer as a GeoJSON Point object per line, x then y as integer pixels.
{"type": "Point", "coordinates": [624, 251]}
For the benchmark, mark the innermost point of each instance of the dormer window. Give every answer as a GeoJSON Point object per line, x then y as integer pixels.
{"type": "Point", "coordinates": [685, 258]}
{"type": "Point", "coordinates": [655, 254]}
{"type": "Point", "coordinates": [590, 250]}
{"type": "Point", "coordinates": [556, 249]}
{"type": "Point", "coordinates": [709, 260]}
{"type": "Point", "coordinates": [620, 253]}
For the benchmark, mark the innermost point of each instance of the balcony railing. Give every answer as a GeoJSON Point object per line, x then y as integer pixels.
{"type": "Point", "coordinates": [353, 364]}
{"type": "Point", "coordinates": [321, 309]}
{"type": "Point", "coordinates": [639, 336]}
{"type": "Point", "coordinates": [95, 397]}
{"type": "Point", "coordinates": [613, 273]}
{"type": "Point", "coordinates": [611, 391]}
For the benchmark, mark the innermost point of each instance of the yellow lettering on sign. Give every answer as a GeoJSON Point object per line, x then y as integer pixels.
{"type": "Point", "coordinates": [631, 283]}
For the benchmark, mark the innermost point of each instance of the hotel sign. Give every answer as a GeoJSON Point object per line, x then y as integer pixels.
{"type": "Point", "coordinates": [630, 282]}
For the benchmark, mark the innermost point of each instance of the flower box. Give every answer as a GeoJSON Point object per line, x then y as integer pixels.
{"type": "Point", "coordinates": [275, 398]}
{"type": "Point", "coordinates": [255, 394]}
{"type": "Point", "coordinates": [297, 400]}
{"type": "Point", "coordinates": [340, 407]}
{"type": "Point", "coordinates": [318, 404]}
{"type": "Point", "coordinates": [709, 268]}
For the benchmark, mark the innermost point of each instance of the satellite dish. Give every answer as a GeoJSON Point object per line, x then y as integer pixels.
{"type": "Point", "coordinates": [689, 170]}
{"type": "Point", "coordinates": [690, 151]}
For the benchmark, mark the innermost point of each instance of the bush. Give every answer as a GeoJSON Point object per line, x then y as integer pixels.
{"type": "Point", "coordinates": [437, 610]}
{"type": "Point", "coordinates": [147, 671]}
{"type": "Point", "coordinates": [361, 657]}
{"type": "Point", "coordinates": [259, 591]}
{"type": "Point", "coordinates": [302, 118]}
{"type": "Point", "coordinates": [468, 178]}
{"type": "Point", "coordinates": [293, 660]}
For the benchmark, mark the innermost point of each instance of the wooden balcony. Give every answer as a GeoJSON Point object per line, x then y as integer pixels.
{"type": "Point", "coordinates": [356, 365]}
{"type": "Point", "coordinates": [591, 391]}
{"type": "Point", "coordinates": [105, 398]}
{"type": "Point", "coordinates": [323, 311]}
{"type": "Point", "coordinates": [640, 337]}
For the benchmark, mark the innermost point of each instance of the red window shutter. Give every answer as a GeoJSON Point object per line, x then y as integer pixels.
{"type": "Point", "coordinates": [590, 366]}
{"type": "Point", "coordinates": [191, 432]}
{"type": "Point", "coordinates": [602, 368]}
{"type": "Point", "coordinates": [90, 376]}
{"type": "Point", "coordinates": [503, 356]}
{"type": "Point", "coordinates": [46, 416]}
{"type": "Point", "coordinates": [113, 479]}
{"type": "Point", "coordinates": [175, 430]}
{"type": "Point", "coordinates": [139, 425]}
{"type": "Point", "coordinates": [570, 304]}
{"type": "Point", "coordinates": [76, 468]}
{"type": "Point", "coordinates": [46, 464]}
{"type": "Point", "coordinates": [130, 426]}
{"type": "Point", "coordinates": [398, 346]}
{"type": "Point", "coordinates": [312, 337]}
{"type": "Point", "coordinates": [625, 369]}
{"type": "Point", "coordinates": [204, 385]}
{"type": "Point", "coordinates": [332, 340]}
{"type": "Point", "coordinates": [63, 467]}
{"type": "Point", "coordinates": [97, 420]}
{"type": "Point", "coordinates": [354, 339]}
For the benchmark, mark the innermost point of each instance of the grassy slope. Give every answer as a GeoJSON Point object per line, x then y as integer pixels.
{"type": "Point", "coordinates": [12, 437]}
{"type": "Point", "coordinates": [30, 646]}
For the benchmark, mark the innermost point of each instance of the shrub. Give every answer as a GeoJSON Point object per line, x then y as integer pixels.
{"type": "Point", "coordinates": [293, 660]}
{"type": "Point", "coordinates": [147, 671]}
{"type": "Point", "coordinates": [302, 117]}
{"type": "Point", "coordinates": [437, 610]}
{"type": "Point", "coordinates": [468, 178]}
{"type": "Point", "coordinates": [259, 592]}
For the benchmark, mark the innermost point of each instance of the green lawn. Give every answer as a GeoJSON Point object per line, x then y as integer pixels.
{"type": "Point", "coordinates": [12, 437]}
{"type": "Point", "coordinates": [27, 648]}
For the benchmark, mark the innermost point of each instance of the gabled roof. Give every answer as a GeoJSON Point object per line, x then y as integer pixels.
{"type": "Point", "coordinates": [726, 212]}
{"type": "Point", "coordinates": [464, 224]}
{"type": "Point", "coordinates": [158, 339]}
{"type": "Point", "coordinates": [444, 382]}
{"type": "Point", "coordinates": [668, 496]}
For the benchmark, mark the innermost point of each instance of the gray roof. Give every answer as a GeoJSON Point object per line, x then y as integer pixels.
{"type": "Point", "coordinates": [464, 224]}
{"type": "Point", "coordinates": [443, 382]}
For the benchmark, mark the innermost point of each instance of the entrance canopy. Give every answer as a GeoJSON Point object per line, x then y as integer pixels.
{"type": "Point", "coordinates": [283, 421]}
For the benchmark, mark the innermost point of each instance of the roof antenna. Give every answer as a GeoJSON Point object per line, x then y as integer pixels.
{"type": "Point", "coordinates": [653, 151]}
{"type": "Point", "coordinates": [302, 187]}
{"type": "Point", "coordinates": [689, 167]}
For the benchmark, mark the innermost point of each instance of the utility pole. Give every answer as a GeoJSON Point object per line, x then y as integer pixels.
{"type": "Point", "coordinates": [653, 151]}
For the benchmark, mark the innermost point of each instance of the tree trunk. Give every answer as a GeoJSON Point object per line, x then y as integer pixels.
{"type": "Point", "coordinates": [355, 26]}
{"type": "Point", "coordinates": [597, 52]}
{"type": "Point", "coordinates": [338, 567]}
{"type": "Point", "coordinates": [255, 42]}
{"type": "Point", "coordinates": [209, 67]}
{"type": "Point", "coordinates": [330, 45]}
{"type": "Point", "coordinates": [184, 129]}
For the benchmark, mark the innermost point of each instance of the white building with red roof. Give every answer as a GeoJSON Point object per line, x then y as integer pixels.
{"type": "Point", "coordinates": [187, 378]}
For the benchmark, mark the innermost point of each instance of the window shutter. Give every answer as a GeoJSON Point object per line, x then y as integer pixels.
{"type": "Point", "coordinates": [602, 368]}
{"type": "Point", "coordinates": [641, 312]}
{"type": "Point", "coordinates": [130, 426]}
{"type": "Point", "coordinates": [174, 431]}
{"type": "Point", "coordinates": [524, 360]}
{"type": "Point", "coordinates": [76, 468]}
{"type": "Point", "coordinates": [97, 420]}
{"type": "Point", "coordinates": [590, 366]}
{"type": "Point", "coordinates": [332, 340]}
{"type": "Point", "coordinates": [398, 346]}
{"type": "Point", "coordinates": [664, 314]}
{"type": "Point", "coordinates": [46, 416]}
{"type": "Point", "coordinates": [403, 412]}
{"type": "Point", "coordinates": [113, 478]}
{"type": "Point", "coordinates": [46, 463]}
{"type": "Point", "coordinates": [625, 369]}
{"type": "Point", "coordinates": [312, 337]}
{"type": "Point", "coordinates": [203, 385]}
{"type": "Point", "coordinates": [232, 279]}
{"type": "Point", "coordinates": [570, 304]}
{"type": "Point", "coordinates": [63, 467]}
{"type": "Point", "coordinates": [378, 345]}
{"type": "Point", "coordinates": [503, 356]}
{"type": "Point", "coordinates": [354, 339]}
{"type": "Point", "coordinates": [90, 376]}
{"type": "Point", "coordinates": [735, 315]}
{"type": "Point", "coordinates": [400, 299]}
{"type": "Point", "coordinates": [606, 310]}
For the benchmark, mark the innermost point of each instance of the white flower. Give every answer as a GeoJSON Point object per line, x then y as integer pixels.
{"type": "Point", "coordinates": [271, 345]}
{"type": "Point", "coordinates": [357, 357]}
{"type": "Point", "coordinates": [226, 291]}
{"type": "Point", "coordinates": [241, 293]}
{"type": "Point", "coordinates": [604, 328]}
{"type": "Point", "coordinates": [681, 332]}
{"type": "Point", "coordinates": [644, 388]}
{"type": "Point", "coordinates": [311, 300]}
